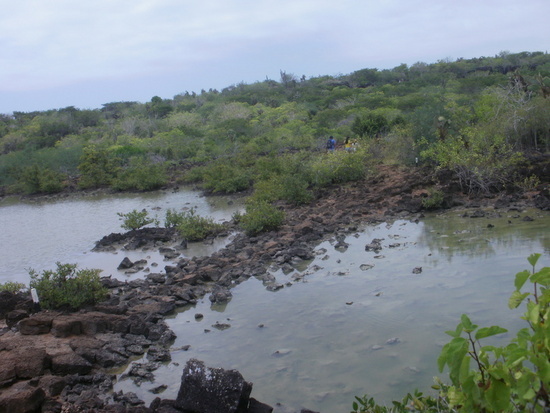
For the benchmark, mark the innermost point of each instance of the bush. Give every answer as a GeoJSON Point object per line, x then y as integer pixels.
{"type": "Point", "coordinates": [511, 378]}
{"type": "Point", "coordinates": [12, 287]}
{"type": "Point", "coordinates": [190, 226]}
{"type": "Point", "coordinates": [434, 200]}
{"type": "Point", "coordinates": [481, 163]}
{"type": "Point", "coordinates": [141, 176]}
{"type": "Point", "coordinates": [136, 219]}
{"type": "Point", "coordinates": [295, 190]}
{"type": "Point", "coordinates": [68, 287]}
{"type": "Point", "coordinates": [225, 178]}
{"type": "Point", "coordinates": [38, 180]}
{"type": "Point", "coordinates": [338, 167]}
{"type": "Point", "coordinates": [261, 216]}
{"type": "Point", "coordinates": [96, 168]}
{"type": "Point", "coordinates": [268, 190]}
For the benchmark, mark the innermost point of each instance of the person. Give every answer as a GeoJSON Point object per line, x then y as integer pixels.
{"type": "Point", "coordinates": [331, 144]}
{"type": "Point", "coordinates": [347, 144]}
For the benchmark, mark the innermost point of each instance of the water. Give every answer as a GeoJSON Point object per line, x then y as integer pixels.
{"type": "Point", "coordinates": [321, 341]}
{"type": "Point", "coordinates": [323, 338]}
{"type": "Point", "coordinates": [39, 233]}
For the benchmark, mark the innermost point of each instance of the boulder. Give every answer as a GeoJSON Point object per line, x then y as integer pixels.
{"type": "Point", "coordinates": [125, 264]}
{"type": "Point", "coordinates": [212, 390]}
{"type": "Point", "coordinates": [220, 295]}
{"type": "Point", "coordinates": [8, 301]}
{"type": "Point", "coordinates": [13, 317]}
{"type": "Point", "coordinates": [38, 324]}
{"type": "Point", "coordinates": [21, 398]}
{"type": "Point", "coordinates": [70, 363]}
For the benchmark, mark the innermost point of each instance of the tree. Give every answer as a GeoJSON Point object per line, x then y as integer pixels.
{"type": "Point", "coordinates": [96, 167]}
{"type": "Point", "coordinates": [371, 125]}
{"type": "Point", "coordinates": [159, 108]}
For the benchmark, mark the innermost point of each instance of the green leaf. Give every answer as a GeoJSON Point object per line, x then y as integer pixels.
{"type": "Point", "coordinates": [498, 396]}
{"type": "Point", "coordinates": [457, 332]}
{"type": "Point", "coordinates": [516, 299]}
{"type": "Point", "coordinates": [542, 277]}
{"type": "Point", "coordinates": [521, 277]}
{"type": "Point", "coordinates": [533, 313]}
{"type": "Point", "coordinates": [456, 351]}
{"type": "Point", "coordinates": [489, 331]}
{"type": "Point", "coordinates": [529, 394]}
{"type": "Point", "coordinates": [533, 258]}
{"type": "Point", "coordinates": [467, 324]}
{"type": "Point", "coordinates": [464, 372]}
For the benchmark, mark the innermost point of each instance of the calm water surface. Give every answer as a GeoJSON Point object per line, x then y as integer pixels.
{"type": "Point", "coordinates": [320, 341]}
{"type": "Point", "coordinates": [324, 337]}
{"type": "Point", "coordinates": [37, 234]}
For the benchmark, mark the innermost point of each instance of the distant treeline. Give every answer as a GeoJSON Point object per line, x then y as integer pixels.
{"type": "Point", "coordinates": [436, 112]}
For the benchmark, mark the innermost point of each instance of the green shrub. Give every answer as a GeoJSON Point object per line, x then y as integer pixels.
{"type": "Point", "coordinates": [338, 167]}
{"type": "Point", "coordinates": [529, 183]}
{"type": "Point", "coordinates": [12, 287]}
{"type": "Point", "coordinates": [225, 178]}
{"type": "Point", "coordinates": [295, 190]}
{"type": "Point", "coordinates": [434, 200]}
{"type": "Point", "coordinates": [412, 402]}
{"type": "Point", "coordinates": [483, 163]}
{"type": "Point", "coordinates": [515, 377]}
{"type": "Point", "coordinates": [39, 180]}
{"type": "Point", "coordinates": [141, 176]}
{"type": "Point", "coordinates": [68, 287]}
{"type": "Point", "coordinates": [190, 226]}
{"type": "Point", "coordinates": [136, 219]}
{"type": "Point", "coordinates": [261, 216]}
{"type": "Point", "coordinates": [96, 168]}
{"type": "Point", "coordinates": [268, 190]}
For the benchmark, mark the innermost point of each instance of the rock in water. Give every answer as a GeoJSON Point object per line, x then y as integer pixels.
{"type": "Point", "coordinates": [212, 390]}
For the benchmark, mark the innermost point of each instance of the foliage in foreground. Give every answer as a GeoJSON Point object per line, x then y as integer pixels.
{"type": "Point", "coordinates": [511, 378]}
{"type": "Point", "coordinates": [68, 287]}
{"type": "Point", "coordinates": [191, 226]}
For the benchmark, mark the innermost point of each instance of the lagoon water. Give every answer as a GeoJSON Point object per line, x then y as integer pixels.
{"type": "Point", "coordinates": [348, 323]}
{"type": "Point", "coordinates": [36, 234]}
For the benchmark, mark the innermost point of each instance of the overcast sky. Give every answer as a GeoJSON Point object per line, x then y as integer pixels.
{"type": "Point", "coordinates": [59, 53]}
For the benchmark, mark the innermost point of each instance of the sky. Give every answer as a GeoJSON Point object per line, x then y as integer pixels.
{"type": "Point", "coordinates": [60, 53]}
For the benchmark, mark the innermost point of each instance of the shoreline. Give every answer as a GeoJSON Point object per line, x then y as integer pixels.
{"type": "Point", "coordinates": [139, 307]}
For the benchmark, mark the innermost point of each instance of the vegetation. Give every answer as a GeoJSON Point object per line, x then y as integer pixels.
{"type": "Point", "coordinates": [12, 287]}
{"type": "Point", "coordinates": [511, 378]}
{"type": "Point", "coordinates": [136, 219]}
{"type": "Point", "coordinates": [190, 226]}
{"type": "Point", "coordinates": [477, 117]}
{"type": "Point", "coordinates": [68, 287]}
{"type": "Point", "coordinates": [261, 216]}
{"type": "Point", "coordinates": [434, 199]}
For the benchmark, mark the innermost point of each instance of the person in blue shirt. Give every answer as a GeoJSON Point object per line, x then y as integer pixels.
{"type": "Point", "coordinates": [331, 144]}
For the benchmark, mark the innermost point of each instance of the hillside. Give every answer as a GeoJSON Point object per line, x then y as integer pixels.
{"type": "Point", "coordinates": [475, 117]}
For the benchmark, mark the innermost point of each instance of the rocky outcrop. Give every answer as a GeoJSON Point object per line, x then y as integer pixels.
{"type": "Point", "coordinates": [212, 390]}
{"type": "Point", "coordinates": [135, 239]}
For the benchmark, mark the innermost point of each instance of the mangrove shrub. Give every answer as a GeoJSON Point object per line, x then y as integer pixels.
{"type": "Point", "coordinates": [68, 287]}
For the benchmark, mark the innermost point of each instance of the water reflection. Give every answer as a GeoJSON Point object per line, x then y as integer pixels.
{"type": "Point", "coordinates": [460, 234]}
